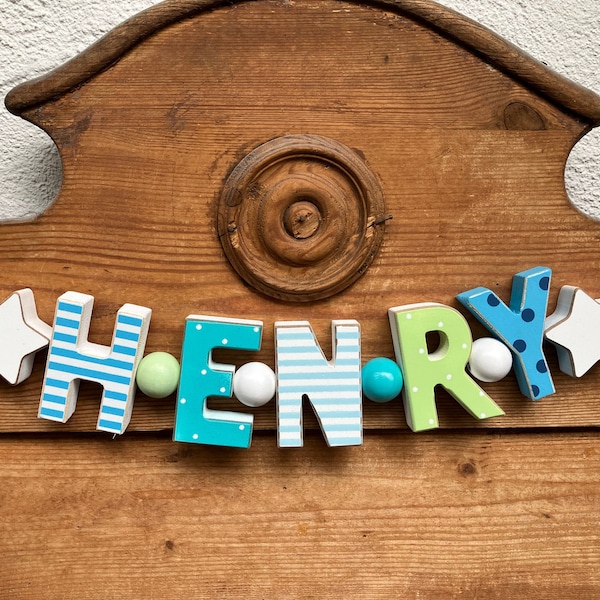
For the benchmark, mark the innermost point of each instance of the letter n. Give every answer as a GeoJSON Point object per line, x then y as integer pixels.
{"type": "Point", "coordinates": [333, 388]}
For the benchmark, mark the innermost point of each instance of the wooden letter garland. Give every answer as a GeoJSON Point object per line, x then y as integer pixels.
{"type": "Point", "coordinates": [332, 388]}
{"type": "Point", "coordinates": [261, 182]}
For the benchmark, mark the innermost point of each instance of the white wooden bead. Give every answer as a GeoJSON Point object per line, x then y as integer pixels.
{"type": "Point", "coordinates": [254, 384]}
{"type": "Point", "coordinates": [490, 360]}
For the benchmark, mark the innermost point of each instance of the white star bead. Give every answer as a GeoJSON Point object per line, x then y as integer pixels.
{"type": "Point", "coordinates": [22, 334]}
{"type": "Point", "coordinates": [574, 328]}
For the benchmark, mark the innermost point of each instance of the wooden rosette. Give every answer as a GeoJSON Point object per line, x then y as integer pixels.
{"type": "Point", "coordinates": [299, 217]}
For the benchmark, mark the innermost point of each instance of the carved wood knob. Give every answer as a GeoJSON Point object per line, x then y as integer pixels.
{"type": "Point", "coordinates": [300, 217]}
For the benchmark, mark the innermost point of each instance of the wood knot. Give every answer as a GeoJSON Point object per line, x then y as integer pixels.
{"type": "Point", "coordinates": [519, 116]}
{"type": "Point", "coordinates": [467, 469]}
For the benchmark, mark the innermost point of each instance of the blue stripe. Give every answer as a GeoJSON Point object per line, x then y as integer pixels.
{"type": "Point", "coordinates": [57, 383]}
{"type": "Point", "coordinates": [327, 414]}
{"type": "Point", "coordinates": [328, 374]}
{"type": "Point", "coordinates": [54, 398]}
{"type": "Point", "coordinates": [127, 320]}
{"type": "Point", "coordinates": [48, 412]}
{"type": "Point", "coordinates": [106, 362]}
{"type": "Point", "coordinates": [330, 429]}
{"type": "Point", "coordinates": [288, 429]}
{"type": "Point", "coordinates": [348, 428]}
{"type": "Point", "coordinates": [127, 350]}
{"type": "Point", "coordinates": [112, 425]}
{"type": "Point", "coordinates": [347, 335]}
{"type": "Point", "coordinates": [299, 350]}
{"type": "Point", "coordinates": [64, 337]}
{"type": "Point", "coordinates": [293, 333]}
{"type": "Point", "coordinates": [342, 414]}
{"type": "Point", "coordinates": [315, 348]}
{"type": "Point", "coordinates": [109, 410]}
{"type": "Point", "coordinates": [305, 335]}
{"type": "Point", "coordinates": [350, 441]}
{"type": "Point", "coordinates": [340, 362]}
{"type": "Point", "coordinates": [67, 323]}
{"type": "Point", "coordinates": [70, 308]}
{"type": "Point", "coordinates": [318, 387]}
{"type": "Point", "coordinates": [126, 335]}
{"type": "Point", "coordinates": [89, 373]}
{"type": "Point", "coordinates": [115, 396]}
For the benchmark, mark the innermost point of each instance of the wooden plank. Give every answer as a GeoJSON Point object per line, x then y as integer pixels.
{"type": "Point", "coordinates": [431, 516]}
{"type": "Point", "coordinates": [475, 185]}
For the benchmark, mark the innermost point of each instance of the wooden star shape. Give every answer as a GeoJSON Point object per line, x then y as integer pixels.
{"type": "Point", "coordinates": [574, 328]}
{"type": "Point", "coordinates": [22, 334]}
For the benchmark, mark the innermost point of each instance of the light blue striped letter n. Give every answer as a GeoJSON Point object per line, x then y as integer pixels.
{"type": "Point", "coordinates": [72, 358]}
{"type": "Point", "coordinates": [333, 388]}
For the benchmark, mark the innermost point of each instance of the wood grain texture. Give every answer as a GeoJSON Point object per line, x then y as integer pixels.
{"type": "Point", "coordinates": [468, 139]}
{"type": "Point", "coordinates": [433, 516]}
{"type": "Point", "coordinates": [469, 157]}
{"type": "Point", "coordinates": [447, 22]}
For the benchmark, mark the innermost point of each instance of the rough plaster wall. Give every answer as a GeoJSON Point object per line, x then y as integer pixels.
{"type": "Point", "coordinates": [38, 35]}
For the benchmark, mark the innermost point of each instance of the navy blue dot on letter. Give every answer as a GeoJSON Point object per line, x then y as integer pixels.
{"type": "Point", "coordinates": [542, 367]}
{"type": "Point", "coordinates": [545, 283]}
{"type": "Point", "coordinates": [536, 390]}
{"type": "Point", "coordinates": [528, 315]}
{"type": "Point", "coordinates": [493, 301]}
{"type": "Point", "coordinates": [520, 346]}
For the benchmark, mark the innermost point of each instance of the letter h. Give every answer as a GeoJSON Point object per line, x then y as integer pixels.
{"type": "Point", "coordinates": [72, 358]}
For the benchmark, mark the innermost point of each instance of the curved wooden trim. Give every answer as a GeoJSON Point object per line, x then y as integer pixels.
{"type": "Point", "coordinates": [507, 57]}
{"type": "Point", "coordinates": [105, 52]}
{"type": "Point", "coordinates": [476, 38]}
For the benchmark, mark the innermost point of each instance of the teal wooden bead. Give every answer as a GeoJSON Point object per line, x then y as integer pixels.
{"type": "Point", "coordinates": [382, 379]}
{"type": "Point", "coordinates": [157, 374]}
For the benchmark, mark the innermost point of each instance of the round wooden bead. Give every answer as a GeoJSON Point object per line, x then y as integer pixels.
{"type": "Point", "coordinates": [382, 379]}
{"type": "Point", "coordinates": [157, 374]}
{"type": "Point", "coordinates": [490, 360]}
{"type": "Point", "coordinates": [254, 384]}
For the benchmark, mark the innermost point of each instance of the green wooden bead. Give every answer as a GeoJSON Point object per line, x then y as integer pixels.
{"type": "Point", "coordinates": [157, 374]}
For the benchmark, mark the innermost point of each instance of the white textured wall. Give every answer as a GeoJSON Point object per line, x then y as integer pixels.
{"type": "Point", "coordinates": [38, 35]}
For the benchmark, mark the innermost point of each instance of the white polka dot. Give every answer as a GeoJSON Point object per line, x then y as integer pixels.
{"type": "Point", "coordinates": [256, 329]}
{"type": "Point", "coordinates": [222, 390]}
{"type": "Point", "coordinates": [431, 421]}
{"type": "Point", "coordinates": [198, 327]}
{"type": "Point", "coordinates": [481, 394]}
{"type": "Point", "coordinates": [195, 436]}
{"type": "Point", "coordinates": [449, 376]}
{"type": "Point", "coordinates": [415, 389]}
{"type": "Point", "coordinates": [183, 401]}
{"type": "Point", "coordinates": [440, 324]}
{"type": "Point", "coordinates": [483, 416]}
{"type": "Point", "coordinates": [409, 316]}
{"type": "Point", "coordinates": [465, 346]}
{"type": "Point", "coordinates": [242, 427]}
{"type": "Point", "coordinates": [421, 350]}
{"type": "Point", "coordinates": [224, 341]}
{"type": "Point", "coordinates": [203, 372]}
